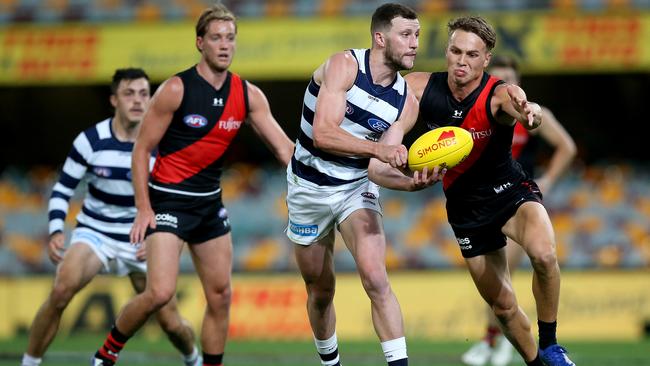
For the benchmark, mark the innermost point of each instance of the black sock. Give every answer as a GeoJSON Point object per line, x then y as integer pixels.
{"type": "Point", "coordinates": [547, 334]}
{"type": "Point", "coordinates": [535, 362]}
{"type": "Point", "coordinates": [212, 360]}
{"type": "Point", "coordinates": [400, 362]}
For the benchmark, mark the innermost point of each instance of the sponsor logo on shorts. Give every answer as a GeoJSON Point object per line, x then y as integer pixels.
{"type": "Point", "coordinates": [464, 243]}
{"type": "Point", "coordinates": [369, 195]}
{"type": "Point", "coordinates": [303, 230]}
{"type": "Point", "coordinates": [166, 219]}
{"type": "Point", "coordinates": [195, 120]}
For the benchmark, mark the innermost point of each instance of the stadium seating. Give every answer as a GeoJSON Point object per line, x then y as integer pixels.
{"type": "Point", "coordinates": [601, 216]}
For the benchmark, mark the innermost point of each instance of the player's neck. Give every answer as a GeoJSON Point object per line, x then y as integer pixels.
{"type": "Point", "coordinates": [216, 78]}
{"type": "Point", "coordinates": [381, 73]}
{"type": "Point", "coordinates": [123, 130]}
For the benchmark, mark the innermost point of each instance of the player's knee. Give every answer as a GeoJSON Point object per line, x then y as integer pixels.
{"type": "Point", "coordinates": [544, 260]}
{"type": "Point", "coordinates": [219, 297]}
{"type": "Point", "coordinates": [504, 310]}
{"type": "Point", "coordinates": [61, 295]}
{"type": "Point", "coordinates": [159, 296]}
{"type": "Point", "coordinates": [321, 297]}
{"type": "Point", "coordinates": [376, 284]}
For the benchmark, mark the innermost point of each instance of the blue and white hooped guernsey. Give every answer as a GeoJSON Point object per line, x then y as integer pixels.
{"type": "Point", "coordinates": [105, 164]}
{"type": "Point", "coordinates": [370, 110]}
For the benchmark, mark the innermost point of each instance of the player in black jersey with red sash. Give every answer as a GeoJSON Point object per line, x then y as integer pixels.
{"type": "Point", "coordinates": [489, 197]}
{"type": "Point", "coordinates": [192, 120]}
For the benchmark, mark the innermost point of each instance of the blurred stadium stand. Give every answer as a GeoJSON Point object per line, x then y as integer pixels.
{"type": "Point", "coordinates": [56, 11]}
{"type": "Point", "coordinates": [601, 216]}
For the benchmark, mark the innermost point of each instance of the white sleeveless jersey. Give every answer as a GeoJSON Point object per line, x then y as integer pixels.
{"type": "Point", "coordinates": [370, 110]}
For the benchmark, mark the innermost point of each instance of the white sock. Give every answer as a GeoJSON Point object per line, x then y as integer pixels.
{"type": "Point", "coordinates": [395, 349]}
{"type": "Point", "coordinates": [328, 350]}
{"type": "Point", "coordinates": [31, 361]}
{"type": "Point", "coordinates": [189, 359]}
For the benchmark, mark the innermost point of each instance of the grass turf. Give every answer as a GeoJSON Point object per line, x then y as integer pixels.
{"type": "Point", "coordinates": [77, 350]}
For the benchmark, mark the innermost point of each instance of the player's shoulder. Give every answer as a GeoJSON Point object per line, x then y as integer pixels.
{"type": "Point", "coordinates": [99, 131]}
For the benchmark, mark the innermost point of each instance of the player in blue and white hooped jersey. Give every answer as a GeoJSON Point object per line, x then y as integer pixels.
{"type": "Point", "coordinates": [101, 157]}
{"type": "Point", "coordinates": [356, 110]}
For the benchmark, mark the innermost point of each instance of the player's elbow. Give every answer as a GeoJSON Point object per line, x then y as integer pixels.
{"type": "Point", "coordinates": [321, 141]}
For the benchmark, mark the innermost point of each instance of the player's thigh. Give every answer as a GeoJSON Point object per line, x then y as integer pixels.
{"type": "Point", "coordinates": [490, 276]}
{"type": "Point", "coordinates": [531, 227]}
{"type": "Point", "coordinates": [213, 262]}
{"type": "Point", "coordinates": [316, 260]}
{"type": "Point", "coordinates": [80, 264]}
{"type": "Point", "coordinates": [163, 256]}
{"type": "Point", "coordinates": [363, 234]}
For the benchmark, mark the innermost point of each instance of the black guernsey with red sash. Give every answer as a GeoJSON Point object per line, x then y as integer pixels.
{"type": "Point", "coordinates": [190, 154]}
{"type": "Point", "coordinates": [489, 170]}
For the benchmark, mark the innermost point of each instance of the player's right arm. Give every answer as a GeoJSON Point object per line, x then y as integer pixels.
{"type": "Point", "coordinates": [335, 77]}
{"type": "Point", "coordinates": [74, 168]}
{"type": "Point", "coordinates": [155, 122]}
{"type": "Point", "coordinates": [417, 81]}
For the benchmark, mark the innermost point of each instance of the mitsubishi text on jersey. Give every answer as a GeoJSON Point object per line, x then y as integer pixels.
{"type": "Point", "coordinates": [190, 154]}
{"type": "Point", "coordinates": [370, 110]}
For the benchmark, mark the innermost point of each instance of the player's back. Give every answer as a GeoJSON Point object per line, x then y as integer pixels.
{"type": "Point", "coordinates": [370, 110]}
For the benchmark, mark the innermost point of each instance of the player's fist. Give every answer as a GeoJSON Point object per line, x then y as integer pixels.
{"type": "Point", "coordinates": [395, 155]}
{"type": "Point", "coordinates": [55, 247]}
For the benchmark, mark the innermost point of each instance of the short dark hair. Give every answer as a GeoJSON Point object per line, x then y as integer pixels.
{"type": "Point", "coordinates": [476, 25]}
{"type": "Point", "coordinates": [217, 11]}
{"type": "Point", "coordinates": [504, 61]}
{"type": "Point", "coordinates": [130, 73]}
{"type": "Point", "coordinates": [384, 15]}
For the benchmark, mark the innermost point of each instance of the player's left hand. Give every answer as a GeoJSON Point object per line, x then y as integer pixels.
{"type": "Point", "coordinates": [529, 112]}
{"type": "Point", "coordinates": [424, 178]}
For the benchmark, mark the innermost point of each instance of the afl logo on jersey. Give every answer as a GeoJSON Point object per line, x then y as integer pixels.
{"type": "Point", "coordinates": [378, 125]}
{"type": "Point", "coordinates": [195, 120]}
{"type": "Point", "coordinates": [348, 108]}
{"type": "Point", "coordinates": [102, 172]}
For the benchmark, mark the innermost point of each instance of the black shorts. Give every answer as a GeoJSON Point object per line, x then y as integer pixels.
{"type": "Point", "coordinates": [477, 225]}
{"type": "Point", "coordinates": [195, 219]}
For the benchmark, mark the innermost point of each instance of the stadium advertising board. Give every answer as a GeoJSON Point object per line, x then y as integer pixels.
{"type": "Point", "coordinates": [436, 305]}
{"type": "Point", "coordinates": [290, 48]}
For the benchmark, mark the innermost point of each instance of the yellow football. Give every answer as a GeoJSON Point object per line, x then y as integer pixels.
{"type": "Point", "coordinates": [445, 147]}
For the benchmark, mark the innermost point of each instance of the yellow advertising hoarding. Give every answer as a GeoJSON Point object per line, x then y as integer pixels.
{"type": "Point", "coordinates": [290, 48]}
{"type": "Point", "coordinates": [436, 305]}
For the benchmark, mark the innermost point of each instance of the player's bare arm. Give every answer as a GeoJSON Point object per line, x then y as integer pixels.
{"type": "Point", "coordinates": [401, 178]}
{"type": "Point", "coordinates": [266, 126]}
{"type": "Point", "coordinates": [564, 149]}
{"type": "Point", "coordinates": [512, 100]}
{"type": "Point", "coordinates": [417, 82]}
{"type": "Point", "coordinates": [155, 122]}
{"type": "Point", "coordinates": [335, 77]}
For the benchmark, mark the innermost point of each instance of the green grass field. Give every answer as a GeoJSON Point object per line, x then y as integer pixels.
{"type": "Point", "coordinates": [76, 350]}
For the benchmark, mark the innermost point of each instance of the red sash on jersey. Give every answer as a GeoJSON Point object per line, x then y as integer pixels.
{"type": "Point", "coordinates": [478, 124]}
{"type": "Point", "coordinates": [185, 163]}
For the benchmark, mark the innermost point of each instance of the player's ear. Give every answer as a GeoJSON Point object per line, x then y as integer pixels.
{"type": "Point", "coordinates": [379, 39]}
{"type": "Point", "coordinates": [113, 100]}
{"type": "Point", "coordinates": [199, 44]}
{"type": "Point", "coordinates": [488, 57]}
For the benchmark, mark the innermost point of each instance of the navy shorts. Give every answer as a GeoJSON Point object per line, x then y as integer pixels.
{"type": "Point", "coordinates": [477, 225]}
{"type": "Point", "coordinates": [194, 219]}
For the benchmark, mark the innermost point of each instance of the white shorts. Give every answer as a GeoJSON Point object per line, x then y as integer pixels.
{"type": "Point", "coordinates": [118, 257]}
{"type": "Point", "coordinates": [314, 212]}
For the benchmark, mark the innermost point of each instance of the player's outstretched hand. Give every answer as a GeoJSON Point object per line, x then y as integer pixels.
{"type": "Point", "coordinates": [55, 247]}
{"type": "Point", "coordinates": [424, 178]}
{"type": "Point", "coordinates": [144, 219]}
{"type": "Point", "coordinates": [395, 155]}
{"type": "Point", "coordinates": [530, 112]}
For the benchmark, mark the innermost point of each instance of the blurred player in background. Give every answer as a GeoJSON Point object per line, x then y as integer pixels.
{"type": "Point", "coordinates": [192, 120]}
{"type": "Point", "coordinates": [354, 100]}
{"type": "Point", "coordinates": [489, 197]}
{"type": "Point", "coordinates": [494, 347]}
{"type": "Point", "coordinates": [100, 242]}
